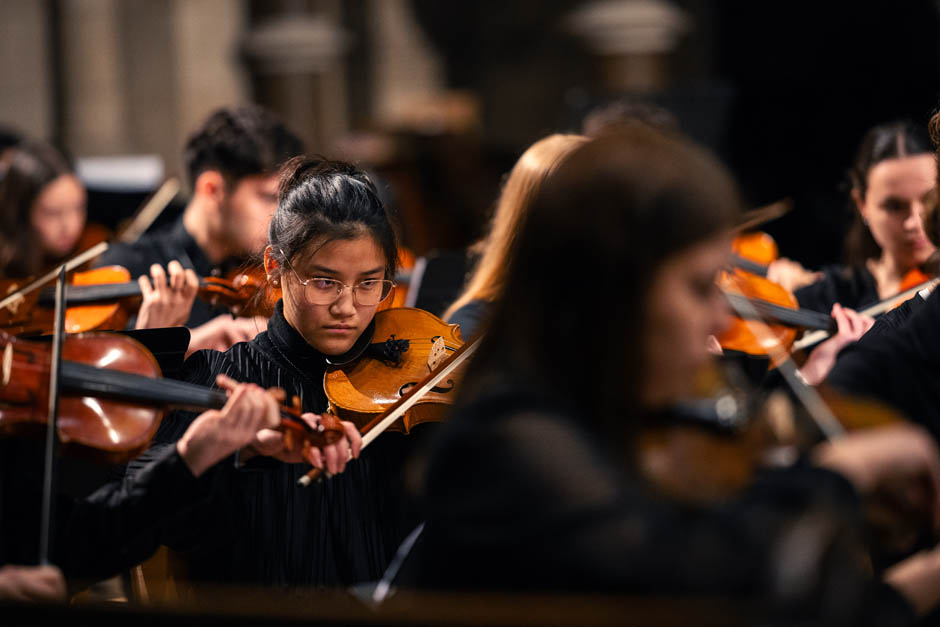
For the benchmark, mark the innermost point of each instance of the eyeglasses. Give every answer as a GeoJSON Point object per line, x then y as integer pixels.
{"type": "Point", "coordinates": [325, 291]}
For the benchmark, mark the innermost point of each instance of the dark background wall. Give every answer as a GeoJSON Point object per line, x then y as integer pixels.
{"type": "Point", "coordinates": [782, 91]}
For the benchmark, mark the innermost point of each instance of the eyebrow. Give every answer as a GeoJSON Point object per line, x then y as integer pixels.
{"type": "Point", "coordinates": [324, 270]}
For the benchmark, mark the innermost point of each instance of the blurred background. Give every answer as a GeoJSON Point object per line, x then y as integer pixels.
{"type": "Point", "coordinates": [439, 97]}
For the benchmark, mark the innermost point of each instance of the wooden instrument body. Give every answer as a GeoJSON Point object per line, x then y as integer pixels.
{"type": "Point", "coordinates": [365, 388]}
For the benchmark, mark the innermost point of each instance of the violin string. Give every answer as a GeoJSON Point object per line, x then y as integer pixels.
{"type": "Point", "coordinates": [83, 294]}
{"type": "Point", "coordinates": [780, 313]}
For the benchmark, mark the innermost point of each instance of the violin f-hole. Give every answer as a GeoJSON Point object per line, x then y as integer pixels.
{"type": "Point", "coordinates": [437, 388]}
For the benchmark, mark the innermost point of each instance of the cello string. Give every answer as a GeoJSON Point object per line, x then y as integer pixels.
{"type": "Point", "coordinates": [84, 378]}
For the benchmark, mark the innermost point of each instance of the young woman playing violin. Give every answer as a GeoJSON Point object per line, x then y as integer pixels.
{"type": "Point", "coordinates": [540, 481]}
{"type": "Point", "coordinates": [331, 250]}
{"type": "Point", "coordinates": [43, 222]}
{"type": "Point", "coordinates": [893, 178]}
{"type": "Point", "coordinates": [42, 210]}
{"type": "Point", "coordinates": [896, 362]}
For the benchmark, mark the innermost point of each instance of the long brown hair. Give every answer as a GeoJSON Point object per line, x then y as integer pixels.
{"type": "Point", "coordinates": [31, 166]}
{"type": "Point", "coordinates": [573, 313]}
{"type": "Point", "coordinates": [525, 179]}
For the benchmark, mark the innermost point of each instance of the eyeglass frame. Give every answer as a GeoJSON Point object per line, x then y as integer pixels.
{"type": "Point", "coordinates": [342, 289]}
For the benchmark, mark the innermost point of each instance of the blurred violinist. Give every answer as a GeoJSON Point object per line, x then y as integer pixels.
{"type": "Point", "coordinates": [44, 210]}
{"type": "Point", "coordinates": [41, 196]}
{"type": "Point", "coordinates": [231, 162]}
{"type": "Point", "coordinates": [541, 480]}
{"type": "Point", "coordinates": [471, 309]}
{"type": "Point", "coordinates": [892, 180]}
{"type": "Point", "coordinates": [897, 361]}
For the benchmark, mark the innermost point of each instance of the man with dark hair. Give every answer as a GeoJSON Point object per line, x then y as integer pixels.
{"type": "Point", "coordinates": [232, 162]}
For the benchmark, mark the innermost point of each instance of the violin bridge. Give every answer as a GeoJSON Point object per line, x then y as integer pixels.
{"type": "Point", "coordinates": [437, 354]}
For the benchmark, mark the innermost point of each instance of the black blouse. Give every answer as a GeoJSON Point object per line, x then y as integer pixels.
{"type": "Point", "coordinates": [522, 494]}
{"type": "Point", "coordinates": [259, 526]}
{"type": "Point", "coordinates": [850, 286]}
{"type": "Point", "coordinates": [898, 362]}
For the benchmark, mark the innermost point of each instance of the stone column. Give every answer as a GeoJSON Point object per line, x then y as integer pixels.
{"type": "Point", "coordinates": [407, 73]}
{"type": "Point", "coordinates": [296, 62]}
{"type": "Point", "coordinates": [25, 68]}
{"type": "Point", "coordinates": [95, 115]}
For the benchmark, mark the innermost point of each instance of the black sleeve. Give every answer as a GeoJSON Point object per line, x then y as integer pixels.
{"type": "Point", "coordinates": [137, 257]}
{"type": "Point", "coordinates": [527, 502]}
{"type": "Point", "coordinates": [123, 522]}
{"type": "Point", "coordinates": [471, 317]}
{"type": "Point", "coordinates": [896, 317]}
{"type": "Point", "coordinates": [899, 364]}
{"type": "Point", "coordinates": [848, 286]}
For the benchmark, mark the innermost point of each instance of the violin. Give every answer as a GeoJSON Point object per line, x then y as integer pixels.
{"type": "Point", "coordinates": [754, 252]}
{"type": "Point", "coordinates": [408, 376]}
{"type": "Point", "coordinates": [770, 302]}
{"type": "Point", "coordinates": [709, 448]}
{"type": "Point", "coordinates": [105, 298]}
{"type": "Point", "coordinates": [112, 396]}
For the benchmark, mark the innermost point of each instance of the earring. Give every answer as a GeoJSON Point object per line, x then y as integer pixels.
{"type": "Point", "coordinates": [274, 282]}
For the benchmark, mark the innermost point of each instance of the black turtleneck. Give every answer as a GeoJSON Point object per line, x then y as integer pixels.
{"type": "Point", "coordinates": [260, 527]}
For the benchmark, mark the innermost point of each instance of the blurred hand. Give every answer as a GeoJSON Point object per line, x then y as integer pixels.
{"type": "Point", "coordinates": [166, 302]}
{"type": "Point", "coordinates": [224, 331]}
{"type": "Point", "coordinates": [216, 434]}
{"type": "Point", "coordinates": [791, 274]}
{"type": "Point", "coordinates": [851, 326]}
{"type": "Point", "coordinates": [32, 583]}
{"type": "Point", "coordinates": [902, 457]}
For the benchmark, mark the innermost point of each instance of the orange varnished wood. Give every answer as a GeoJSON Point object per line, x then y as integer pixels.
{"type": "Point", "coordinates": [756, 246]}
{"type": "Point", "coordinates": [110, 419]}
{"type": "Point", "coordinates": [108, 430]}
{"type": "Point", "coordinates": [364, 389]}
{"type": "Point", "coordinates": [737, 336]}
